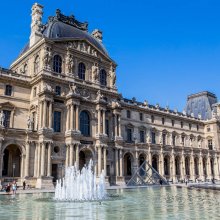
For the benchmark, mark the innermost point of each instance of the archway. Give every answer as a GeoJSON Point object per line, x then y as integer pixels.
{"type": "Point", "coordinates": [141, 160]}
{"type": "Point", "coordinates": [12, 161]}
{"type": "Point", "coordinates": [84, 157]}
{"type": "Point", "coordinates": [167, 165]}
{"type": "Point", "coordinates": [155, 162]}
{"type": "Point", "coordinates": [177, 165]}
{"type": "Point", "coordinates": [187, 166]}
{"type": "Point", "coordinates": [128, 162]}
{"type": "Point", "coordinates": [196, 164]}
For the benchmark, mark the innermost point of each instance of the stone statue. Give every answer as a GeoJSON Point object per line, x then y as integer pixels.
{"type": "Point", "coordinates": [2, 118]}
{"type": "Point", "coordinates": [112, 76]}
{"type": "Point", "coordinates": [146, 103]}
{"type": "Point", "coordinates": [95, 72]}
{"type": "Point", "coordinates": [29, 123]}
{"type": "Point", "coordinates": [47, 88]}
{"type": "Point", "coordinates": [115, 104]}
{"type": "Point", "coordinates": [171, 139]}
{"type": "Point", "coordinates": [47, 57]}
{"type": "Point", "coordinates": [148, 137]}
{"type": "Point", "coordinates": [70, 63]}
{"type": "Point", "coordinates": [99, 96]}
{"type": "Point", "coordinates": [73, 88]}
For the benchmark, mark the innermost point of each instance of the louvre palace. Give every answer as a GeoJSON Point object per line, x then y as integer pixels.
{"type": "Point", "coordinates": [59, 106]}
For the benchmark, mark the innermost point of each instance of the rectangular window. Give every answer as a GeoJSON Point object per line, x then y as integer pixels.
{"type": "Point", "coordinates": [58, 90]}
{"type": "Point", "coordinates": [163, 121]}
{"type": "Point", "coordinates": [174, 140]}
{"type": "Point", "coordinates": [197, 127]}
{"type": "Point", "coordinates": [35, 92]}
{"type": "Point", "coordinates": [183, 140]}
{"type": "Point", "coordinates": [173, 123]}
{"type": "Point", "coordinates": [128, 114]}
{"type": "Point", "coordinates": [181, 124]}
{"type": "Point", "coordinates": [129, 135]}
{"type": "Point", "coordinates": [107, 127]}
{"type": "Point", "coordinates": [142, 136]}
{"type": "Point", "coordinates": [8, 90]}
{"type": "Point", "coordinates": [153, 137]}
{"type": "Point", "coordinates": [164, 139]}
{"type": "Point", "coordinates": [34, 120]}
{"type": "Point", "coordinates": [141, 116]}
{"type": "Point", "coordinates": [210, 146]}
{"type": "Point", "coordinates": [57, 121]}
{"type": "Point", "coordinates": [7, 115]}
{"type": "Point", "coordinates": [190, 126]}
{"type": "Point", "coordinates": [152, 119]}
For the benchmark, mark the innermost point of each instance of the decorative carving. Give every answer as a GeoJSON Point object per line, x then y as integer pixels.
{"type": "Point", "coordinates": [99, 96]}
{"type": "Point", "coordinates": [73, 88]}
{"type": "Point", "coordinates": [29, 123]}
{"type": "Point", "coordinates": [95, 72]}
{"type": "Point", "coordinates": [2, 119]}
{"type": "Point", "coordinates": [69, 63]}
{"type": "Point", "coordinates": [70, 20]}
{"type": "Point", "coordinates": [115, 104]}
{"type": "Point", "coordinates": [47, 57]}
{"type": "Point", "coordinates": [47, 87]}
{"type": "Point", "coordinates": [112, 76]}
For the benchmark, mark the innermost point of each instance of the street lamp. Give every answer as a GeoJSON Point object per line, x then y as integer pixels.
{"type": "Point", "coordinates": [13, 166]}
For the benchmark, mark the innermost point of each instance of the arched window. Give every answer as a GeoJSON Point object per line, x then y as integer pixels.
{"type": "Point", "coordinates": [103, 77]}
{"type": "Point", "coordinates": [57, 64]}
{"type": "Point", "coordinates": [85, 123]}
{"type": "Point", "coordinates": [81, 71]}
{"type": "Point", "coordinates": [36, 64]}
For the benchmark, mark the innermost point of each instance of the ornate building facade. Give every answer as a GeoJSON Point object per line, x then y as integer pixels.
{"type": "Point", "coordinates": [59, 106]}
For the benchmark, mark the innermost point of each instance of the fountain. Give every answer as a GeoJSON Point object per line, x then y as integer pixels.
{"type": "Point", "coordinates": [80, 186]}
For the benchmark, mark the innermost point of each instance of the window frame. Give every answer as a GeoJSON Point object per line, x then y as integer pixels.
{"type": "Point", "coordinates": [81, 71]}
{"type": "Point", "coordinates": [57, 121]}
{"type": "Point", "coordinates": [103, 77]}
{"type": "Point", "coordinates": [57, 64]}
{"type": "Point", "coordinates": [8, 90]}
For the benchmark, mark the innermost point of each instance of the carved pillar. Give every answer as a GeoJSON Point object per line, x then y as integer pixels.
{"type": "Point", "coordinates": [27, 159]}
{"type": "Point", "coordinates": [77, 156]}
{"type": "Point", "coordinates": [161, 164]}
{"type": "Point", "coordinates": [105, 160]}
{"type": "Point", "coordinates": [22, 166]}
{"type": "Point", "coordinates": [116, 163]}
{"type": "Point", "coordinates": [67, 118]}
{"type": "Point", "coordinates": [192, 167]}
{"type": "Point", "coordinates": [77, 117]}
{"type": "Point", "coordinates": [103, 122]}
{"type": "Point", "coordinates": [71, 155]}
{"type": "Point", "coordinates": [36, 160]}
{"type": "Point", "coordinates": [71, 116]}
{"type": "Point", "coordinates": [43, 148]}
{"type": "Point", "coordinates": [40, 114]}
{"type": "Point", "coordinates": [173, 168]}
{"type": "Point", "coordinates": [44, 113]}
{"type": "Point", "coordinates": [39, 160]}
{"type": "Point", "coordinates": [182, 169]}
{"type": "Point", "coordinates": [121, 162]}
{"type": "Point", "coordinates": [116, 125]}
{"type": "Point", "coordinates": [201, 174]}
{"type": "Point", "coordinates": [49, 160]}
{"type": "Point", "coordinates": [50, 114]}
{"type": "Point", "coordinates": [99, 160]}
{"type": "Point", "coordinates": [99, 121]}
{"type": "Point", "coordinates": [216, 173]}
{"type": "Point", "coordinates": [119, 125]}
{"type": "Point", "coordinates": [208, 165]}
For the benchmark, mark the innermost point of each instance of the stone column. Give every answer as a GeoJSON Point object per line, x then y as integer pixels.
{"type": "Point", "coordinates": [67, 118]}
{"type": "Point", "coordinates": [71, 155]}
{"type": "Point", "coordinates": [27, 159]}
{"type": "Point", "coordinates": [77, 117]}
{"type": "Point", "coordinates": [192, 167]}
{"type": "Point", "coordinates": [103, 122]}
{"type": "Point", "coordinates": [119, 126]}
{"type": "Point", "coordinates": [116, 125]}
{"type": "Point", "coordinates": [49, 160]}
{"type": "Point", "coordinates": [208, 165]}
{"type": "Point", "coordinates": [67, 156]}
{"type": "Point", "coordinates": [50, 115]}
{"type": "Point", "coordinates": [71, 117]}
{"type": "Point", "coordinates": [22, 166]}
{"type": "Point", "coordinates": [173, 169]}
{"type": "Point", "coordinates": [36, 161]}
{"type": "Point", "coordinates": [99, 121]}
{"type": "Point", "coordinates": [40, 114]}
{"type": "Point", "coordinates": [161, 167]}
{"type": "Point", "coordinates": [44, 113]}
{"type": "Point", "coordinates": [39, 160]}
{"type": "Point", "coordinates": [77, 156]}
{"type": "Point", "coordinates": [201, 174]}
{"type": "Point", "coordinates": [43, 148]}
{"type": "Point", "coordinates": [216, 173]}
{"type": "Point", "coordinates": [182, 168]}
{"type": "Point", "coordinates": [99, 160]}
{"type": "Point", "coordinates": [121, 162]}
{"type": "Point", "coordinates": [116, 163]}
{"type": "Point", "coordinates": [105, 160]}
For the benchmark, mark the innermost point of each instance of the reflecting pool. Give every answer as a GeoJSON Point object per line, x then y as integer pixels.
{"type": "Point", "coordinates": [134, 204]}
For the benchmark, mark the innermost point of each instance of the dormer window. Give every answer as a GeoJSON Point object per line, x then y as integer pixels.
{"type": "Point", "coordinates": [57, 64]}
{"type": "Point", "coordinates": [81, 71]}
{"type": "Point", "coordinates": [8, 90]}
{"type": "Point", "coordinates": [103, 77]}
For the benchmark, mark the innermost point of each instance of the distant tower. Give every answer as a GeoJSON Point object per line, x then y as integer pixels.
{"type": "Point", "coordinates": [36, 23]}
{"type": "Point", "coordinates": [200, 105]}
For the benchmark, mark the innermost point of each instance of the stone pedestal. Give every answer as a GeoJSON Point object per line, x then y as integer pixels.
{"type": "Point", "coordinates": [45, 183]}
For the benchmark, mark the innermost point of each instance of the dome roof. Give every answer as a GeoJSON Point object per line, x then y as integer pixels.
{"type": "Point", "coordinates": [59, 30]}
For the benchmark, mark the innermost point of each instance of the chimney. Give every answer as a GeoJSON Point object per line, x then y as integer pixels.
{"type": "Point", "coordinates": [36, 23]}
{"type": "Point", "coordinates": [97, 34]}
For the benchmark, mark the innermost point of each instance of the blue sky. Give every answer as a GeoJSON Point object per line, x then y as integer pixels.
{"type": "Point", "coordinates": [165, 50]}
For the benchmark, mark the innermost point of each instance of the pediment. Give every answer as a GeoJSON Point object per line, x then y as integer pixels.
{"type": "Point", "coordinates": [7, 105]}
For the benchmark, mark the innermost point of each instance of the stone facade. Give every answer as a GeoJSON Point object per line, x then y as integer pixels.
{"type": "Point", "coordinates": [59, 106]}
